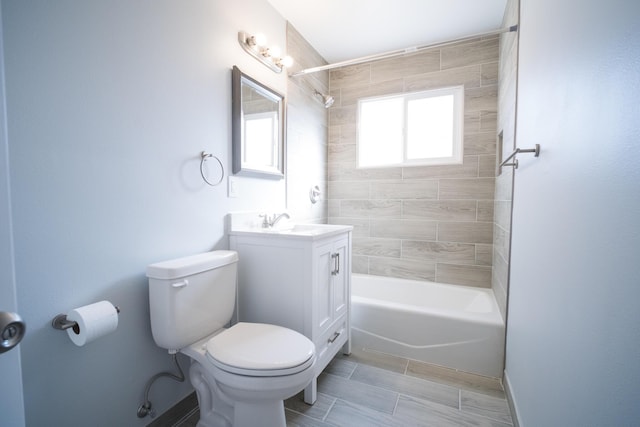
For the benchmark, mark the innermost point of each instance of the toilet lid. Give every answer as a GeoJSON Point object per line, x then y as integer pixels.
{"type": "Point", "coordinates": [260, 347]}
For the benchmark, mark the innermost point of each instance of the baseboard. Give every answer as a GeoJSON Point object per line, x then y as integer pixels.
{"type": "Point", "coordinates": [177, 412]}
{"type": "Point", "coordinates": [513, 407]}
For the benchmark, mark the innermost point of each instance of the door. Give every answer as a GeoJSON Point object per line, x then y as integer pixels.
{"type": "Point", "coordinates": [11, 400]}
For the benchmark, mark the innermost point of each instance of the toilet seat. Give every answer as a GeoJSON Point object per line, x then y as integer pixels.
{"type": "Point", "coordinates": [260, 350]}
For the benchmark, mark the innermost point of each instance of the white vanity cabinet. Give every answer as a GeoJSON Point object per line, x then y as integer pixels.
{"type": "Point", "coordinates": [301, 281]}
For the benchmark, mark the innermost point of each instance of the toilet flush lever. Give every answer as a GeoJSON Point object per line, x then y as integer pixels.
{"type": "Point", "coordinates": [182, 284]}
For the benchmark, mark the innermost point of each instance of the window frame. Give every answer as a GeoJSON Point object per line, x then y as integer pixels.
{"type": "Point", "coordinates": [458, 127]}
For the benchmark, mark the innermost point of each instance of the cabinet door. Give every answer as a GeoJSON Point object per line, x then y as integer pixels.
{"type": "Point", "coordinates": [323, 295]}
{"type": "Point", "coordinates": [340, 277]}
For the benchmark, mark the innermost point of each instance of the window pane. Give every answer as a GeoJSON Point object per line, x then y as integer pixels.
{"type": "Point", "coordinates": [430, 127]}
{"type": "Point", "coordinates": [380, 132]}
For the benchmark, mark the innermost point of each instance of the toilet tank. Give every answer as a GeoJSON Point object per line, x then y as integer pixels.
{"type": "Point", "coordinates": [191, 297]}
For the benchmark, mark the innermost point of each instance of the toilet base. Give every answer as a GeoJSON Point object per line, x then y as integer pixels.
{"type": "Point", "coordinates": [262, 404]}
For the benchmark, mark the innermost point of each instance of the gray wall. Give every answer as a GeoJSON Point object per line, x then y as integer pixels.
{"type": "Point", "coordinates": [430, 222]}
{"type": "Point", "coordinates": [573, 332]}
{"type": "Point", "coordinates": [109, 105]}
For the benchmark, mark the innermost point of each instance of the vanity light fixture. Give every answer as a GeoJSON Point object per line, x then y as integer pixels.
{"type": "Point", "coordinates": [255, 45]}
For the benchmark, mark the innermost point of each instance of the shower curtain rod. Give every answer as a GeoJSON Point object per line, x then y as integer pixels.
{"type": "Point", "coordinates": [405, 51]}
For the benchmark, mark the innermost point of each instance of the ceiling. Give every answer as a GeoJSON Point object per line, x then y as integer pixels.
{"type": "Point", "coordinates": [346, 29]}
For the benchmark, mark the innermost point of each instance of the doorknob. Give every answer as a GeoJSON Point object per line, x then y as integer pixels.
{"type": "Point", "coordinates": [12, 330]}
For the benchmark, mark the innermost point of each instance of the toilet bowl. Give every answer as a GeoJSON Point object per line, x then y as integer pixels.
{"type": "Point", "coordinates": [241, 374]}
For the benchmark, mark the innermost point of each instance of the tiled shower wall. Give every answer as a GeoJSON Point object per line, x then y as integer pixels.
{"type": "Point", "coordinates": [306, 163]}
{"type": "Point", "coordinates": [504, 181]}
{"type": "Point", "coordinates": [425, 222]}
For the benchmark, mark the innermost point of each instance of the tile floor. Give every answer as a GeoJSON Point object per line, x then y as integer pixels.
{"type": "Point", "coordinates": [372, 389]}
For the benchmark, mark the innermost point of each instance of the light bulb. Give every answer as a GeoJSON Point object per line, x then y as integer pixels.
{"type": "Point", "coordinates": [287, 61]}
{"type": "Point", "coordinates": [259, 39]}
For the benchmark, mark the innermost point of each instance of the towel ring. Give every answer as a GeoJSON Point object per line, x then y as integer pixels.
{"type": "Point", "coordinates": [204, 156]}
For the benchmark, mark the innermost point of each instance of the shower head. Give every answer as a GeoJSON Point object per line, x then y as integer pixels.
{"type": "Point", "coordinates": [327, 100]}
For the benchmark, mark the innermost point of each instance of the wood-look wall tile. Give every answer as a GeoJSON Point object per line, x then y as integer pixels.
{"type": "Point", "coordinates": [487, 166]}
{"type": "Point", "coordinates": [481, 99]}
{"type": "Point", "coordinates": [405, 189]}
{"type": "Point", "coordinates": [472, 122]}
{"type": "Point", "coordinates": [349, 189]}
{"type": "Point", "coordinates": [479, 188]}
{"type": "Point", "coordinates": [419, 63]}
{"type": "Point", "coordinates": [348, 172]}
{"type": "Point", "coordinates": [446, 210]}
{"type": "Point", "coordinates": [371, 208]}
{"type": "Point", "coordinates": [476, 52]}
{"type": "Point", "coordinates": [468, 169]}
{"type": "Point", "coordinates": [467, 232]}
{"type": "Point", "coordinates": [485, 211]}
{"type": "Point", "coordinates": [377, 247]}
{"type": "Point", "coordinates": [490, 74]}
{"type": "Point", "coordinates": [349, 76]}
{"type": "Point", "coordinates": [468, 275]}
{"type": "Point", "coordinates": [459, 253]}
{"type": "Point", "coordinates": [351, 95]}
{"type": "Point", "coordinates": [404, 229]}
{"type": "Point", "coordinates": [360, 225]}
{"type": "Point", "coordinates": [342, 115]}
{"type": "Point", "coordinates": [470, 77]}
{"type": "Point", "coordinates": [403, 268]}
{"type": "Point", "coordinates": [480, 143]}
{"type": "Point", "coordinates": [342, 153]}
{"type": "Point", "coordinates": [484, 255]}
{"type": "Point", "coordinates": [360, 264]}
{"type": "Point", "coordinates": [488, 121]}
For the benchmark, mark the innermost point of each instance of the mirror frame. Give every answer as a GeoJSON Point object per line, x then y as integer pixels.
{"type": "Point", "coordinates": [238, 80]}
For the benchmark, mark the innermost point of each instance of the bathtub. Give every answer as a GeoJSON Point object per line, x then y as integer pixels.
{"type": "Point", "coordinates": [458, 327]}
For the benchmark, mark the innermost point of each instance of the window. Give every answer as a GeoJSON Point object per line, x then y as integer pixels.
{"type": "Point", "coordinates": [421, 128]}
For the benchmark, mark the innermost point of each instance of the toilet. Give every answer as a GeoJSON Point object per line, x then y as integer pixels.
{"type": "Point", "coordinates": [241, 374]}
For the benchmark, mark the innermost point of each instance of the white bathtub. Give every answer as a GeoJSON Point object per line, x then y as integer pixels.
{"type": "Point", "coordinates": [458, 327]}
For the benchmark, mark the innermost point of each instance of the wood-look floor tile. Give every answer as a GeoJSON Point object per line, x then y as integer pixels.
{"type": "Point", "coordinates": [487, 406]}
{"type": "Point", "coordinates": [455, 378]}
{"type": "Point", "coordinates": [341, 367]}
{"type": "Point", "coordinates": [295, 419]}
{"type": "Point", "coordinates": [345, 413]}
{"type": "Point", "coordinates": [318, 410]}
{"type": "Point", "coordinates": [411, 386]}
{"type": "Point", "coordinates": [358, 393]}
{"type": "Point", "coordinates": [415, 412]}
{"type": "Point", "coordinates": [379, 360]}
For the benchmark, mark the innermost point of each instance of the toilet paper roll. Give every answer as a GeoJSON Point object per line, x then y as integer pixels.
{"type": "Point", "coordinates": [94, 321]}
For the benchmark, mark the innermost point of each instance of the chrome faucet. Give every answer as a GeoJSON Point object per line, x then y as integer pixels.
{"type": "Point", "coordinates": [270, 222]}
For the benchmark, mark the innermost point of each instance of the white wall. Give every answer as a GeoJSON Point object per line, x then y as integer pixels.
{"type": "Point", "coordinates": [109, 105]}
{"type": "Point", "coordinates": [574, 324]}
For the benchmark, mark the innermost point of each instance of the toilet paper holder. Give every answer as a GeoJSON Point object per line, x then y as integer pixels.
{"type": "Point", "coordinates": [62, 323]}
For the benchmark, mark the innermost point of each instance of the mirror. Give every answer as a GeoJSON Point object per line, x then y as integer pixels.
{"type": "Point", "coordinates": [257, 128]}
